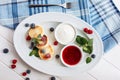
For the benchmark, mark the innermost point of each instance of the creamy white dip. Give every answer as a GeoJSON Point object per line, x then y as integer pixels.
{"type": "Point", "coordinates": [65, 33]}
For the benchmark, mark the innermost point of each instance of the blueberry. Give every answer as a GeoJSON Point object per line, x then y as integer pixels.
{"type": "Point", "coordinates": [53, 78]}
{"type": "Point", "coordinates": [32, 25]}
{"type": "Point", "coordinates": [5, 50]}
{"type": "Point", "coordinates": [26, 25]}
{"type": "Point", "coordinates": [57, 56]}
{"type": "Point", "coordinates": [51, 29]}
{"type": "Point", "coordinates": [27, 78]}
{"type": "Point", "coordinates": [32, 45]}
{"type": "Point", "coordinates": [43, 51]}
{"type": "Point", "coordinates": [93, 56]}
{"type": "Point", "coordinates": [28, 71]}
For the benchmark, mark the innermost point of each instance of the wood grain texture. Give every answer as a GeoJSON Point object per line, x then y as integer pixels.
{"type": "Point", "coordinates": [7, 42]}
{"type": "Point", "coordinates": [107, 69]}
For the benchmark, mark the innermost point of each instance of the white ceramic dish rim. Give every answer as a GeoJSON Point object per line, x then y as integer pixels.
{"type": "Point", "coordinates": [61, 41]}
{"type": "Point", "coordinates": [81, 59]}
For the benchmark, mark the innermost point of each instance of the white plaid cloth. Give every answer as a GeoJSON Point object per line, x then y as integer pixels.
{"type": "Point", "coordinates": [102, 15]}
{"type": "Point", "coordinates": [13, 11]}
{"type": "Point", "coordinates": [105, 18]}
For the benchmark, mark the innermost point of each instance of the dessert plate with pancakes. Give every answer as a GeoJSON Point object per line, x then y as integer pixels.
{"type": "Point", "coordinates": [47, 44]}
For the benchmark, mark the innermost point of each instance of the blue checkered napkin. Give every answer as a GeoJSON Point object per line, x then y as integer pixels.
{"type": "Point", "coordinates": [12, 12]}
{"type": "Point", "coordinates": [105, 18]}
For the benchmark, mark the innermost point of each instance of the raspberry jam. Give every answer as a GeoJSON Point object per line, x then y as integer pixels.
{"type": "Point", "coordinates": [71, 55]}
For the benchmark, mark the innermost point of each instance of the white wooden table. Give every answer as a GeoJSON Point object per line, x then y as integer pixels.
{"type": "Point", "coordinates": [107, 69]}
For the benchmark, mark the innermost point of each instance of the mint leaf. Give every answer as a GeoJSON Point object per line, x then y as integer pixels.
{"type": "Point", "coordinates": [87, 44]}
{"type": "Point", "coordinates": [39, 36]}
{"type": "Point", "coordinates": [88, 49]}
{"type": "Point", "coordinates": [35, 40]}
{"type": "Point", "coordinates": [81, 40]}
{"type": "Point", "coordinates": [34, 52]}
{"type": "Point", "coordinates": [90, 42]}
{"type": "Point", "coordinates": [88, 60]}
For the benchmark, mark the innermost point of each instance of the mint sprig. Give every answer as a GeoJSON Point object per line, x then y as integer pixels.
{"type": "Point", "coordinates": [81, 40]}
{"type": "Point", "coordinates": [34, 52]}
{"type": "Point", "coordinates": [88, 60]}
{"type": "Point", "coordinates": [86, 44]}
{"type": "Point", "coordinates": [88, 48]}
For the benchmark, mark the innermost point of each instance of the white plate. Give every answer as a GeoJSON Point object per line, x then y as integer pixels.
{"type": "Point", "coordinates": [54, 66]}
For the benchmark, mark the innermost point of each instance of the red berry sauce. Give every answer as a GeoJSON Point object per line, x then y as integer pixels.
{"type": "Point", "coordinates": [71, 55]}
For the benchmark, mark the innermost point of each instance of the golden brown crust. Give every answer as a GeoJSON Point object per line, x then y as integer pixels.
{"type": "Point", "coordinates": [48, 50]}
{"type": "Point", "coordinates": [43, 43]}
{"type": "Point", "coordinates": [34, 32]}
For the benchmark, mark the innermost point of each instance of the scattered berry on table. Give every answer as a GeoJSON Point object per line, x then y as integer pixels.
{"type": "Point", "coordinates": [28, 71]}
{"type": "Point", "coordinates": [52, 78]}
{"type": "Point", "coordinates": [26, 25]}
{"type": "Point", "coordinates": [28, 38]}
{"type": "Point", "coordinates": [57, 56]}
{"type": "Point", "coordinates": [55, 42]}
{"type": "Point", "coordinates": [32, 25]}
{"type": "Point", "coordinates": [27, 78]}
{"type": "Point", "coordinates": [13, 66]}
{"type": "Point", "coordinates": [24, 74]}
{"type": "Point", "coordinates": [14, 61]}
{"type": "Point", "coordinates": [5, 50]}
{"type": "Point", "coordinates": [93, 56]}
{"type": "Point", "coordinates": [51, 29]}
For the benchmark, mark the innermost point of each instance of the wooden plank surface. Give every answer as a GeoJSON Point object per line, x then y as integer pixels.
{"type": "Point", "coordinates": [107, 69]}
{"type": "Point", "coordinates": [6, 39]}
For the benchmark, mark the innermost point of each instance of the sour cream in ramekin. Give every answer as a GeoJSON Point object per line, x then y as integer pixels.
{"type": "Point", "coordinates": [65, 33]}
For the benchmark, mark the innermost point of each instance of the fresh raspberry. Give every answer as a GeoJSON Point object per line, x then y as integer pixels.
{"type": "Point", "coordinates": [14, 61]}
{"type": "Point", "coordinates": [24, 74]}
{"type": "Point", "coordinates": [55, 42]}
{"type": "Point", "coordinates": [13, 66]}
{"type": "Point", "coordinates": [47, 56]}
{"type": "Point", "coordinates": [85, 30]}
{"type": "Point", "coordinates": [90, 31]}
{"type": "Point", "coordinates": [28, 38]}
{"type": "Point", "coordinates": [44, 38]}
